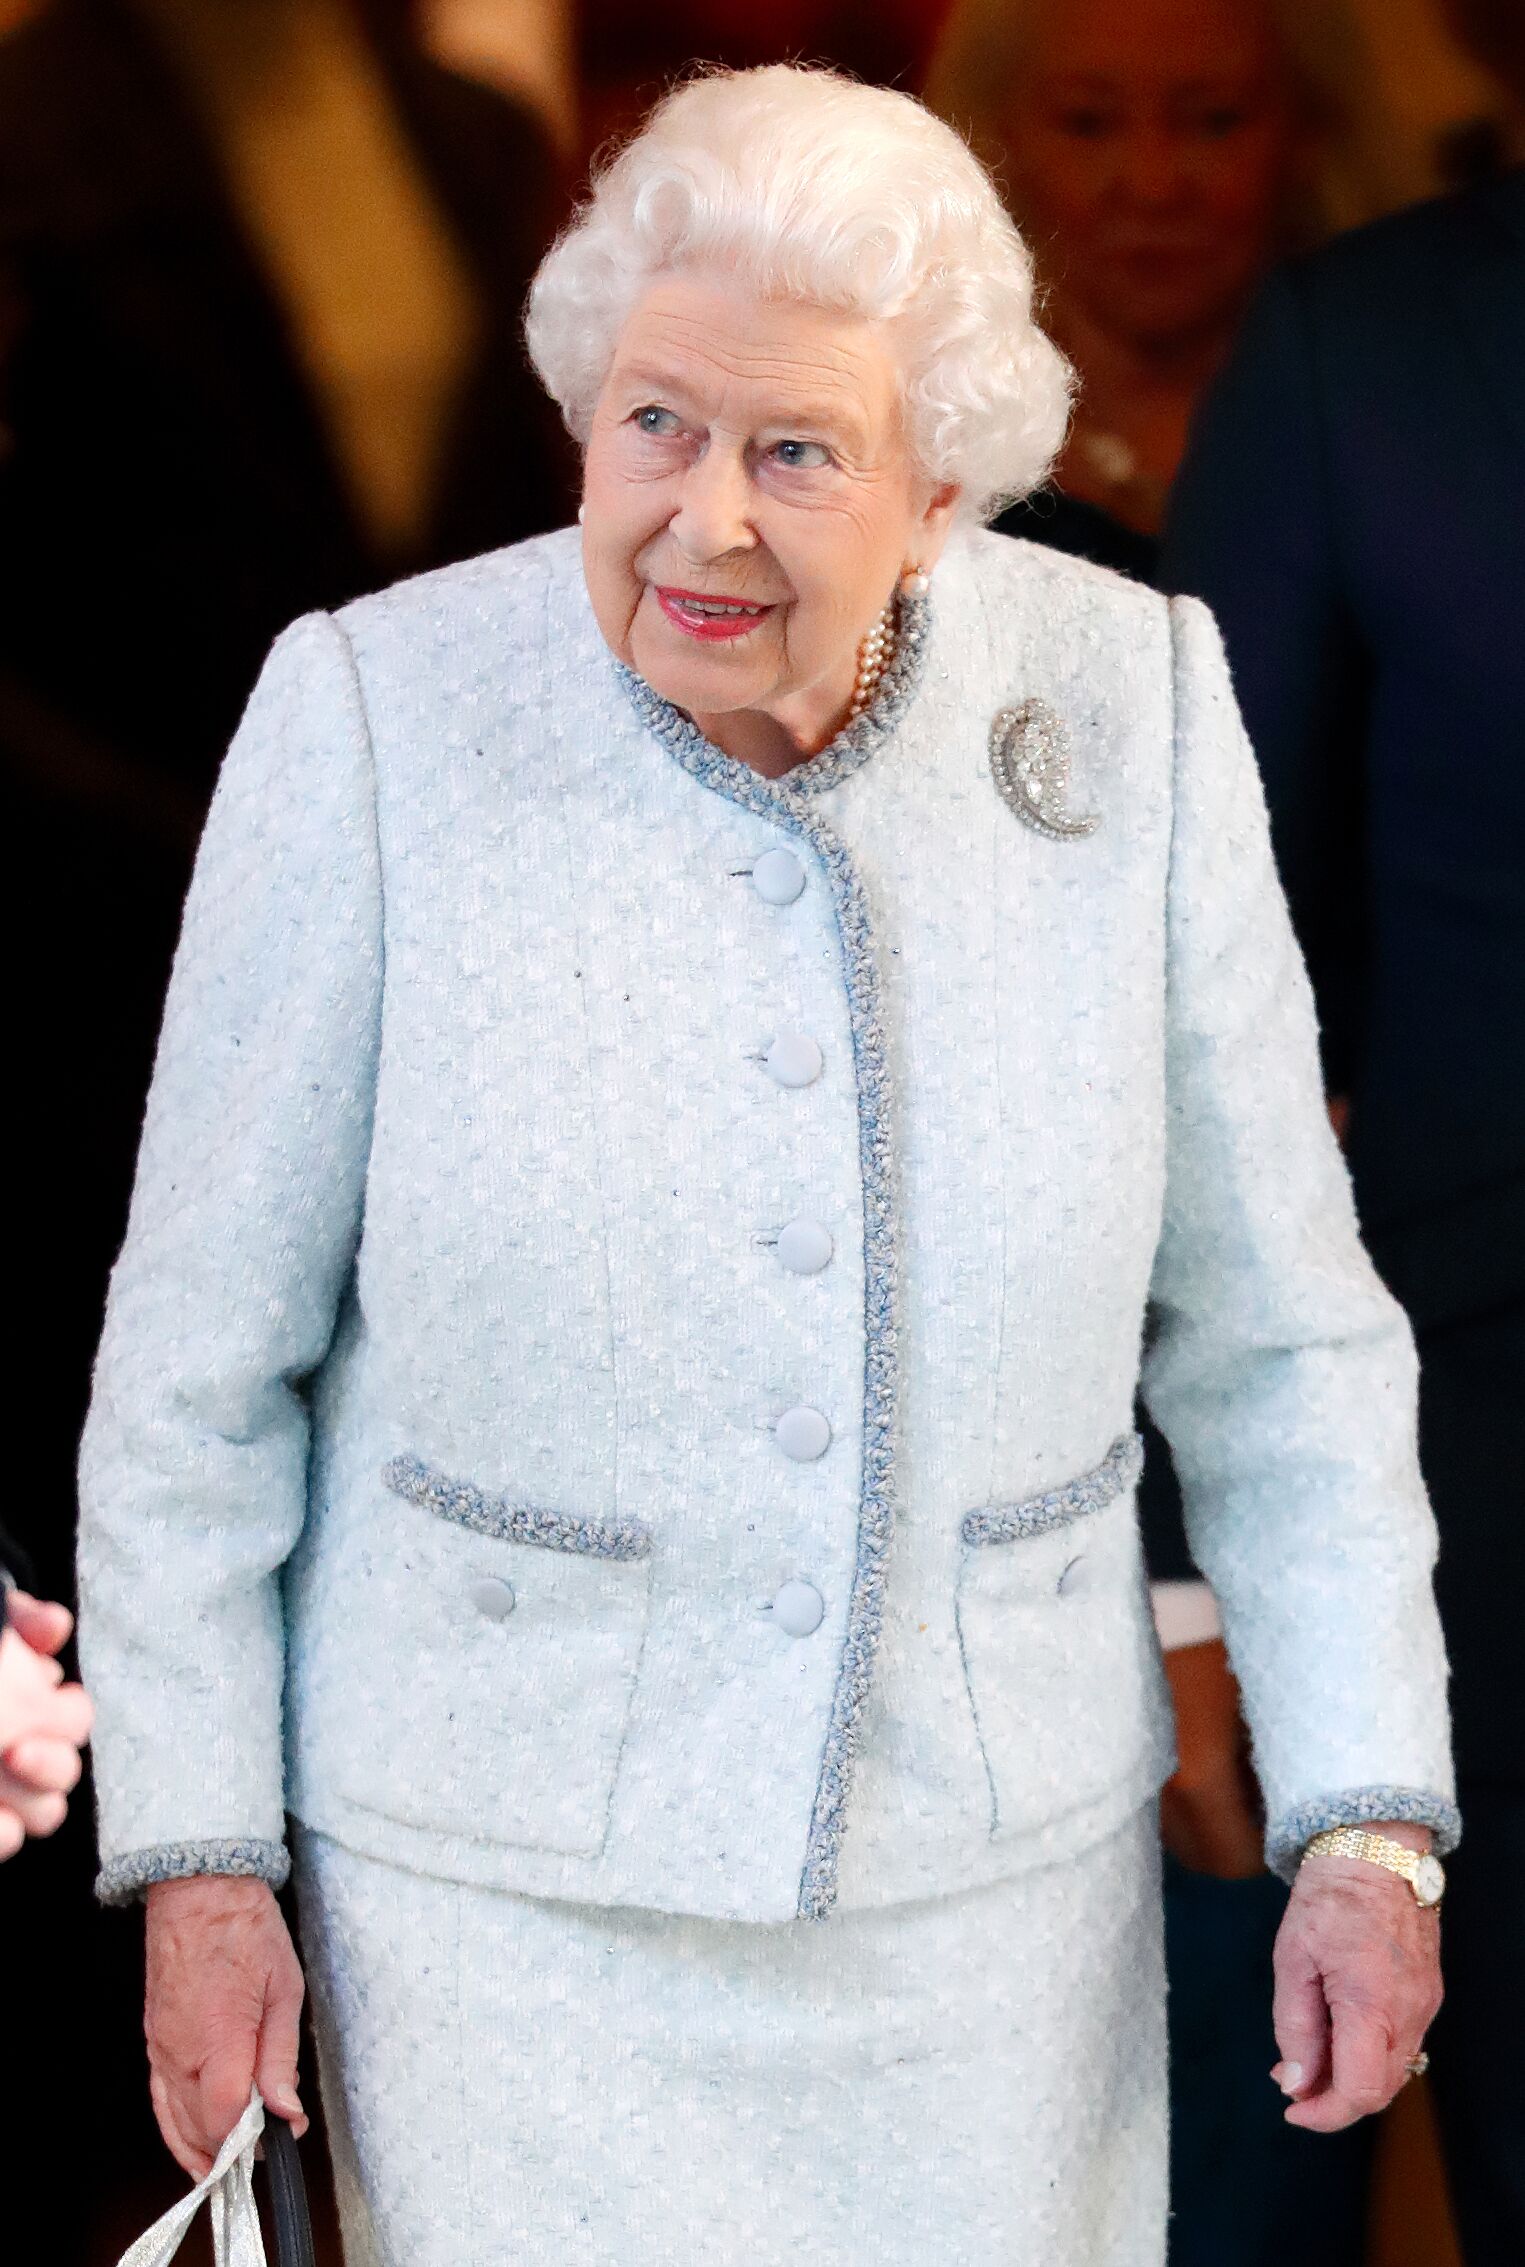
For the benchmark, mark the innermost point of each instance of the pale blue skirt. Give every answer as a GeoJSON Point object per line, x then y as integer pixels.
{"type": "Point", "coordinates": [967, 2081]}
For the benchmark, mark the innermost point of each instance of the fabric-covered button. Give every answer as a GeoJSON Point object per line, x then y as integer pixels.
{"type": "Point", "coordinates": [797, 1608]}
{"type": "Point", "coordinates": [778, 877]}
{"type": "Point", "coordinates": [804, 1247]}
{"type": "Point", "coordinates": [803, 1434]}
{"type": "Point", "coordinates": [793, 1059]}
{"type": "Point", "coordinates": [493, 1599]}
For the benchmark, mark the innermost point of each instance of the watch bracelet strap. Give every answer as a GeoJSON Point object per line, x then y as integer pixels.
{"type": "Point", "coordinates": [1376, 1849]}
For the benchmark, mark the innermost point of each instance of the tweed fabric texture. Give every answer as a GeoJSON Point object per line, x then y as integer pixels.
{"type": "Point", "coordinates": [462, 1158]}
{"type": "Point", "coordinates": [510, 2078]}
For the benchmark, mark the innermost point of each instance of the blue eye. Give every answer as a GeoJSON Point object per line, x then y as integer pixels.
{"type": "Point", "coordinates": [801, 460]}
{"type": "Point", "coordinates": [648, 420]}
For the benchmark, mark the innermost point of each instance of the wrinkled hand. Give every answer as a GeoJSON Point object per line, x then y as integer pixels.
{"type": "Point", "coordinates": [1210, 1817]}
{"type": "Point", "coordinates": [222, 2012]}
{"type": "Point", "coordinates": [44, 1723]}
{"type": "Point", "coordinates": [1357, 1986]}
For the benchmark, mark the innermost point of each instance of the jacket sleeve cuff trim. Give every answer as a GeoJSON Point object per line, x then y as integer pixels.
{"type": "Point", "coordinates": [126, 1878]}
{"type": "Point", "coordinates": [1289, 1836]}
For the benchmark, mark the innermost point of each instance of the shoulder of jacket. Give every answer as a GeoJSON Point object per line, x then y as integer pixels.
{"type": "Point", "coordinates": [500, 585]}
{"type": "Point", "coordinates": [1087, 623]}
{"type": "Point", "coordinates": [1012, 569]}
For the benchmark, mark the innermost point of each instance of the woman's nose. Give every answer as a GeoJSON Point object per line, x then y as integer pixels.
{"type": "Point", "coordinates": [713, 507]}
{"type": "Point", "coordinates": [1150, 169]}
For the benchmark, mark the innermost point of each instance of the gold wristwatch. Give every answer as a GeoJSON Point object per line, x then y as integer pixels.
{"type": "Point", "coordinates": [1423, 1872]}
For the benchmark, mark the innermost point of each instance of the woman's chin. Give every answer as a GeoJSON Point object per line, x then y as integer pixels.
{"type": "Point", "coordinates": [702, 681]}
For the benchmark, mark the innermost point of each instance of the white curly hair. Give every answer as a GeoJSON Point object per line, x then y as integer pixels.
{"type": "Point", "coordinates": [801, 183]}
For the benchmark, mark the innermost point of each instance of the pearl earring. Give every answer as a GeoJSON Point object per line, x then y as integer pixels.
{"type": "Point", "coordinates": [580, 514]}
{"type": "Point", "coordinates": [914, 583]}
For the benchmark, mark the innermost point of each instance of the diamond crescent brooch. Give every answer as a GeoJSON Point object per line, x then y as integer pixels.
{"type": "Point", "coordinates": [1030, 764]}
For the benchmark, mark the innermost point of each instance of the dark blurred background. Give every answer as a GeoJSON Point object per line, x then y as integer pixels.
{"type": "Point", "coordinates": [261, 270]}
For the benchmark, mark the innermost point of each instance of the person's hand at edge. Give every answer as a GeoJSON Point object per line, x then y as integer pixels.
{"type": "Point", "coordinates": [44, 1723]}
{"type": "Point", "coordinates": [40, 1622]}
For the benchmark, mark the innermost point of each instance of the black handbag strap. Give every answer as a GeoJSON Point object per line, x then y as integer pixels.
{"type": "Point", "coordinates": [288, 2196]}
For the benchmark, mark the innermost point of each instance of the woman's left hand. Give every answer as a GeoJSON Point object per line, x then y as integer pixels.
{"type": "Point", "coordinates": [1357, 1986]}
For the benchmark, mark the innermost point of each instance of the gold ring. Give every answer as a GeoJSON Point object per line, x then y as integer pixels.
{"type": "Point", "coordinates": [1417, 2064]}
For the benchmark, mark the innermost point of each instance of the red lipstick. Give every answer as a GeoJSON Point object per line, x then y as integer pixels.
{"type": "Point", "coordinates": [684, 608]}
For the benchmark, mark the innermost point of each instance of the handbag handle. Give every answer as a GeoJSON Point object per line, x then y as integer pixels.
{"type": "Point", "coordinates": [228, 2189]}
{"type": "Point", "coordinates": [288, 2196]}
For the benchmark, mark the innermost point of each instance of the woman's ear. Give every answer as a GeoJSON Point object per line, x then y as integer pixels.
{"type": "Point", "coordinates": [936, 521]}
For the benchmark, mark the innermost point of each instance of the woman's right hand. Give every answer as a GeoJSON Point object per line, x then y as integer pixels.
{"type": "Point", "coordinates": [222, 2012]}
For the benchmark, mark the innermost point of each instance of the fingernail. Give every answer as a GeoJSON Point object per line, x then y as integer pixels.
{"type": "Point", "coordinates": [285, 2098]}
{"type": "Point", "coordinates": [1288, 2076]}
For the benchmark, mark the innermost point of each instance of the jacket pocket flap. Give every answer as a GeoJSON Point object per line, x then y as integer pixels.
{"type": "Point", "coordinates": [510, 1522]}
{"type": "Point", "coordinates": [1118, 1471]}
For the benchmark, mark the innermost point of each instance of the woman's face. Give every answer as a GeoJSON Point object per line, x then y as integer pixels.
{"type": "Point", "coordinates": [1150, 146]}
{"type": "Point", "coordinates": [749, 452]}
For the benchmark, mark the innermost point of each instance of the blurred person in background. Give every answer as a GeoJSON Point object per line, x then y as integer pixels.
{"type": "Point", "coordinates": [525, 48]}
{"type": "Point", "coordinates": [1353, 509]}
{"type": "Point", "coordinates": [260, 272]}
{"type": "Point", "coordinates": [1161, 155]}
{"type": "Point", "coordinates": [261, 264]}
{"type": "Point", "coordinates": [1477, 149]}
{"type": "Point", "coordinates": [626, 49]}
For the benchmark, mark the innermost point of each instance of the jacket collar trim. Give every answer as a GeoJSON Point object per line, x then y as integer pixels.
{"type": "Point", "coordinates": [881, 1367]}
{"type": "Point", "coordinates": [851, 748]}
{"type": "Point", "coordinates": [788, 802]}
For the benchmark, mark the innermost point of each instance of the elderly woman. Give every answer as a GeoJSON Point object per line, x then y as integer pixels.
{"type": "Point", "coordinates": [691, 1048]}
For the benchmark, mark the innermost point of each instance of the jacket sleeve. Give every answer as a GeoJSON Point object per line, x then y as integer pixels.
{"type": "Point", "coordinates": [1281, 1371]}
{"type": "Point", "coordinates": [241, 1235]}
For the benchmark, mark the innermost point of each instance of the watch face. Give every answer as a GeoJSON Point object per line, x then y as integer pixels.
{"type": "Point", "coordinates": [1429, 1880]}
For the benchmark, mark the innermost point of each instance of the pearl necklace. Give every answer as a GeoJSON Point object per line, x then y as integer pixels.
{"type": "Point", "coordinates": [874, 657]}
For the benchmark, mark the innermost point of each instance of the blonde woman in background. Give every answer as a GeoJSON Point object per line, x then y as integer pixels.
{"type": "Point", "coordinates": [1160, 155]}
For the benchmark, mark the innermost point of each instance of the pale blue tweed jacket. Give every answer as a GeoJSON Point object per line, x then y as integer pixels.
{"type": "Point", "coordinates": [433, 1485]}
